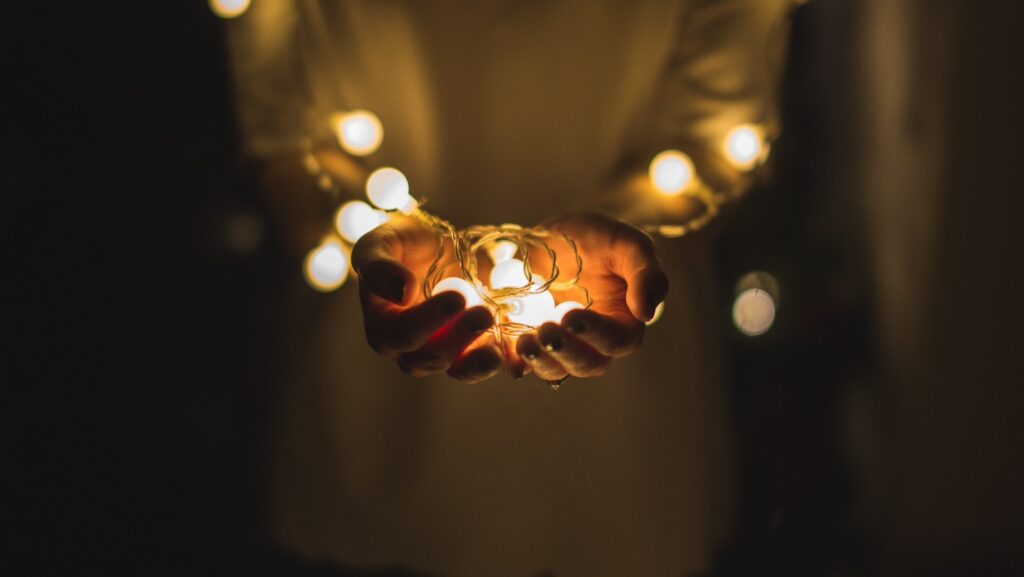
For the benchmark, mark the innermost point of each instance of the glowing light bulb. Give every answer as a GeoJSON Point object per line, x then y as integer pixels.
{"type": "Point", "coordinates": [658, 311]}
{"type": "Point", "coordinates": [508, 274]}
{"type": "Point", "coordinates": [359, 132]}
{"type": "Point", "coordinates": [229, 8]}
{"type": "Point", "coordinates": [326, 266]}
{"type": "Point", "coordinates": [563, 309]}
{"type": "Point", "coordinates": [533, 309]}
{"type": "Point", "coordinates": [753, 312]}
{"type": "Point", "coordinates": [461, 286]}
{"type": "Point", "coordinates": [502, 250]}
{"type": "Point", "coordinates": [388, 189]}
{"type": "Point", "coordinates": [744, 146]}
{"type": "Point", "coordinates": [671, 172]}
{"type": "Point", "coordinates": [356, 218]}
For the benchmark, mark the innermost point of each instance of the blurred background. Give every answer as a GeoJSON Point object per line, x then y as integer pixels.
{"type": "Point", "coordinates": [878, 418]}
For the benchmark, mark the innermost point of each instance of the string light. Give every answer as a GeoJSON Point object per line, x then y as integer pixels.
{"type": "Point", "coordinates": [229, 8]}
{"type": "Point", "coordinates": [326, 266]}
{"type": "Point", "coordinates": [563, 309]}
{"type": "Point", "coordinates": [356, 218]}
{"type": "Point", "coordinates": [388, 189]}
{"type": "Point", "coordinates": [671, 172]}
{"type": "Point", "coordinates": [743, 146]}
{"type": "Point", "coordinates": [753, 312]}
{"type": "Point", "coordinates": [359, 132]}
{"type": "Point", "coordinates": [520, 300]}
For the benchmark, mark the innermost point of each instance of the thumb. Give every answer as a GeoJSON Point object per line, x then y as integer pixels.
{"type": "Point", "coordinates": [376, 258]}
{"type": "Point", "coordinates": [636, 262]}
{"type": "Point", "coordinates": [645, 290]}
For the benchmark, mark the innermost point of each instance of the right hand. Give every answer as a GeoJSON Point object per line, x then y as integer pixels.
{"type": "Point", "coordinates": [423, 335]}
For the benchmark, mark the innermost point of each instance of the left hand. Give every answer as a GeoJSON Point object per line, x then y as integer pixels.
{"type": "Point", "coordinates": [626, 283]}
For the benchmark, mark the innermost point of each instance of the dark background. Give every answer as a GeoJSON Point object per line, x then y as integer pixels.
{"type": "Point", "coordinates": [879, 420]}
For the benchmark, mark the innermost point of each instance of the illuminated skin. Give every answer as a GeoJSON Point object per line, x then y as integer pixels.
{"type": "Point", "coordinates": [626, 283]}
{"type": "Point", "coordinates": [431, 335]}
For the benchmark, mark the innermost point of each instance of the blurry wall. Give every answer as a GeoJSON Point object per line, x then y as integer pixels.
{"type": "Point", "coordinates": [938, 435]}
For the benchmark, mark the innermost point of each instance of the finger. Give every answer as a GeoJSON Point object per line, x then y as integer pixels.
{"type": "Point", "coordinates": [477, 364]}
{"type": "Point", "coordinates": [614, 334]}
{"type": "Point", "coordinates": [576, 356]}
{"type": "Point", "coordinates": [517, 367]}
{"type": "Point", "coordinates": [444, 346]}
{"type": "Point", "coordinates": [390, 257]}
{"type": "Point", "coordinates": [543, 364]}
{"type": "Point", "coordinates": [391, 329]}
{"type": "Point", "coordinates": [635, 261]}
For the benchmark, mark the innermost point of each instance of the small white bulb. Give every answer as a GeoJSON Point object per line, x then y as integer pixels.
{"type": "Point", "coordinates": [533, 309]}
{"type": "Point", "coordinates": [356, 218]}
{"type": "Point", "coordinates": [508, 274]}
{"type": "Point", "coordinates": [388, 189]}
{"type": "Point", "coordinates": [461, 286]}
{"type": "Point", "coordinates": [229, 8]}
{"type": "Point", "coordinates": [359, 132]}
{"type": "Point", "coordinates": [743, 146]}
{"type": "Point", "coordinates": [671, 172]}
{"type": "Point", "coordinates": [326, 266]}
{"type": "Point", "coordinates": [502, 250]}
{"type": "Point", "coordinates": [753, 312]}
{"type": "Point", "coordinates": [563, 309]}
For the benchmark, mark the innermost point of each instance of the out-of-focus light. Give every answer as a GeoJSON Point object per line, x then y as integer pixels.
{"type": "Point", "coordinates": [388, 189]}
{"type": "Point", "coordinates": [671, 172]}
{"type": "Point", "coordinates": [326, 266]}
{"type": "Point", "coordinates": [532, 310]}
{"type": "Point", "coordinates": [744, 146]}
{"type": "Point", "coordinates": [508, 274]}
{"type": "Point", "coordinates": [229, 8]}
{"type": "Point", "coordinates": [502, 250]}
{"type": "Point", "coordinates": [461, 286]}
{"type": "Point", "coordinates": [356, 218]}
{"type": "Point", "coordinates": [658, 311]}
{"type": "Point", "coordinates": [359, 132]}
{"type": "Point", "coordinates": [753, 312]}
{"type": "Point", "coordinates": [563, 309]}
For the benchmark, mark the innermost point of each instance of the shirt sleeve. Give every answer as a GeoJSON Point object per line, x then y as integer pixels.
{"type": "Point", "coordinates": [725, 71]}
{"type": "Point", "coordinates": [272, 102]}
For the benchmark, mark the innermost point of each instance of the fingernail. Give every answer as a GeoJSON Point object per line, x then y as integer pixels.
{"type": "Point", "coordinates": [553, 343]}
{"type": "Point", "coordinates": [395, 290]}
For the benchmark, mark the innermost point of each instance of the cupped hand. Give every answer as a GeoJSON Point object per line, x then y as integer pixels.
{"type": "Point", "coordinates": [424, 335]}
{"type": "Point", "coordinates": [625, 280]}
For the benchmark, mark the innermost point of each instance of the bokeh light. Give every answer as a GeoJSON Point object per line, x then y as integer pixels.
{"type": "Point", "coordinates": [359, 132]}
{"type": "Point", "coordinates": [229, 8]}
{"type": "Point", "coordinates": [671, 172]}
{"type": "Point", "coordinates": [744, 146]}
{"type": "Point", "coordinates": [326, 266]}
{"type": "Point", "coordinates": [356, 218]}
